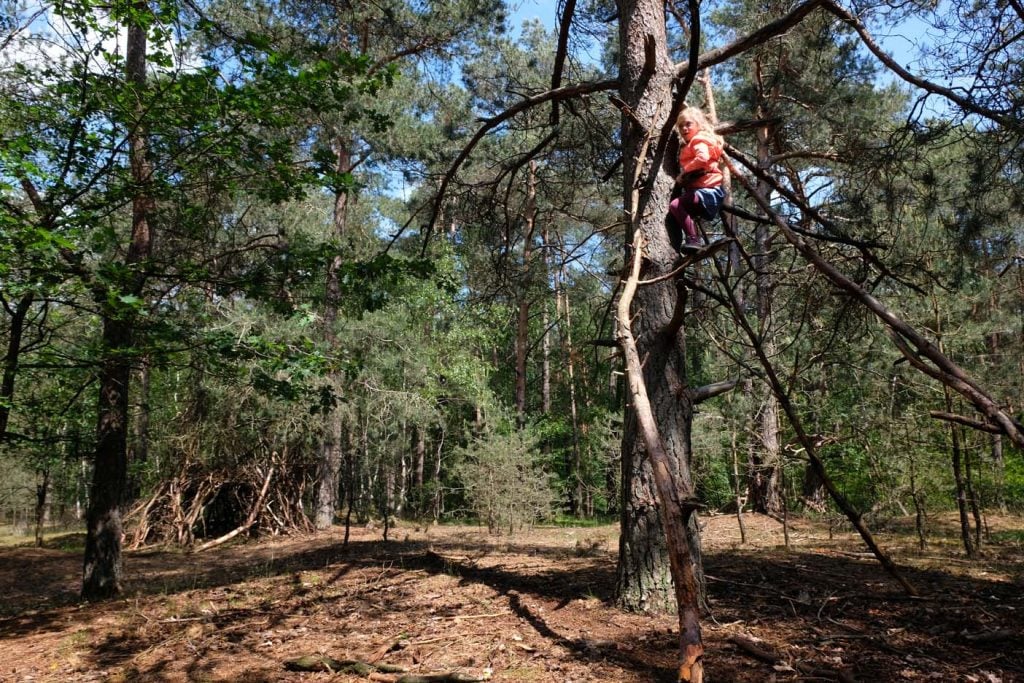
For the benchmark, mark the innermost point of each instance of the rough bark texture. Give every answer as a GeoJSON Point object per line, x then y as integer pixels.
{"type": "Point", "coordinates": [328, 473]}
{"type": "Point", "coordinates": [102, 565]}
{"type": "Point", "coordinates": [644, 579]}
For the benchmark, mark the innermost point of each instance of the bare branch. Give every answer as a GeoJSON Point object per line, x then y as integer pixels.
{"type": "Point", "coordinates": [945, 370]}
{"type": "Point", "coordinates": [960, 419]}
{"type": "Point", "coordinates": [966, 103]}
{"type": "Point", "coordinates": [701, 394]}
{"type": "Point", "coordinates": [761, 35]}
{"type": "Point", "coordinates": [495, 121]}
{"type": "Point", "coordinates": [560, 53]}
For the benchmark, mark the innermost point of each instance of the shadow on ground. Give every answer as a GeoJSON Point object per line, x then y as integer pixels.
{"type": "Point", "coordinates": [542, 607]}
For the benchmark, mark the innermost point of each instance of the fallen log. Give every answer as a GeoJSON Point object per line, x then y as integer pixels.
{"type": "Point", "coordinates": [380, 672]}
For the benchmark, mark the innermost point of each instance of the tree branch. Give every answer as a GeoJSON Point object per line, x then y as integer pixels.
{"type": "Point", "coordinates": [960, 419]}
{"type": "Point", "coordinates": [869, 42]}
{"type": "Point", "coordinates": [495, 121]}
{"type": "Point", "coordinates": [946, 371]}
{"type": "Point", "coordinates": [761, 35]}
{"type": "Point", "coordinates": [701, 394]}
{"type": "Point", "coordinates": [563, 45]}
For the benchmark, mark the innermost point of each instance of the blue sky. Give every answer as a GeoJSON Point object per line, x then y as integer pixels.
{"type": "Point", "coordinates": [521, 10]}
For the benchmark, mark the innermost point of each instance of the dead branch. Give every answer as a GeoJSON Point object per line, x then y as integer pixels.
{"type": "Point", "coordinates": [675, 500]}
{"type": "Point", "coordinates": [384, 673]}
{"type": "Point", "coordinates": [806, 440]}
{"type": "Point", "coordinates": [960, 419]}
{"type": "Point", "coordinates": [446, 677]}
{"type": "Point", "coordinates": [707, 391]}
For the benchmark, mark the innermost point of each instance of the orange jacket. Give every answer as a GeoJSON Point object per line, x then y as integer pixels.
{"type": "Point", "coordinates": [701, 153]}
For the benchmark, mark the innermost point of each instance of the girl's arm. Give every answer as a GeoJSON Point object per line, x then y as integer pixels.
{"type": "Point", "coordinates": [701, 157]}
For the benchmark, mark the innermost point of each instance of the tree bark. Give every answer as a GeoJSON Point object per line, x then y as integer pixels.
{"type": "Point", "coordinates": [329, 465]}
{"type": "Point", "coordinates": [102, 563]}
{"type": "Point", "coordinates": [16, 330]}
{"type": "Point", "coordinates": [644, 580]}
{"type": "Point", "coordinates": [328, 473]}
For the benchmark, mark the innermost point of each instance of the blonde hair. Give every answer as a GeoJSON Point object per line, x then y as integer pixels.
{"type": "Point", "coordinates": [696, 115]}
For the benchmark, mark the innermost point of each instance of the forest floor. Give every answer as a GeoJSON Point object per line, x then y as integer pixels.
{"type": "Point", "coordinates": [536, 606]}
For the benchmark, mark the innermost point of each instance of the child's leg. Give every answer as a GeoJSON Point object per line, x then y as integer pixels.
{"type": "Point", "coordinates": [683, 219]}
{"type": "Point", "coordinates": [683, 210]}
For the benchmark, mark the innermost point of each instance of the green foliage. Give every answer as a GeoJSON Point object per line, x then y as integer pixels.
{"type": "Point", "coordinates": [503, 483]}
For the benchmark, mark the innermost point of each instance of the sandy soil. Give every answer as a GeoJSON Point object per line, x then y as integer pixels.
{"type": "Point", "coordinates": [536, 606]}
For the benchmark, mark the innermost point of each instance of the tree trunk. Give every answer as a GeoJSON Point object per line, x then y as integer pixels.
{"type": "Point", "coordinates": [139, 452]}
{"type": "Point", "coordinates": [438, 503]}
{"type": "Point", "coordinates": [644, 580]}
{"type": "Point", "coordinates": [42, 501]}
{"type": "Point", "coordinates": [972, 498]}
{"type": "Point", "coordinates": [102, 562]}
{"type": "Point", "coordinates": [961, 488]}
{"type": "Point", "coordinates": [575, 470]}
{"type": "Point", "coordinates": [739, 496]}
{"type": "Point", "coordinates": [328, 473]}
{"type": "Point", "coordinates": [545, 368]}
{"type": "Point", "coordinates": [16, 330]}
{"type": "Point", "coordinates": [351, 473]}
{"type": "Point", "coordinates": [329, 465]}
{"type": "Point", "coordinates": [419, 449]}
{"type": "Point", "coordinates": [523, 318]}
{"type": "Point", "coordinates": [765, 452]}
{"type": "Point", "coordinates": [999, 473]}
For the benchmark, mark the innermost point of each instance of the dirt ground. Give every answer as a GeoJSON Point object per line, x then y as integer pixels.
{"type": "Point", "coordinates": [536, 606]}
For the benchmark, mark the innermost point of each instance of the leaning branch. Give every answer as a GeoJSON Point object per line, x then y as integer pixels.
{"type": "Point", "coordinates": [560, 53]}
{"type": "Point", "coordinates": [676, 503]}
{"type": "Point", "coordinates": [960, 419]}
{"type": "Point", "coordinates": [942, 367]}
{"type": "Point", "coordinates": [805, 439]}
{"type": "Point", "coordinates": [761, 35]}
